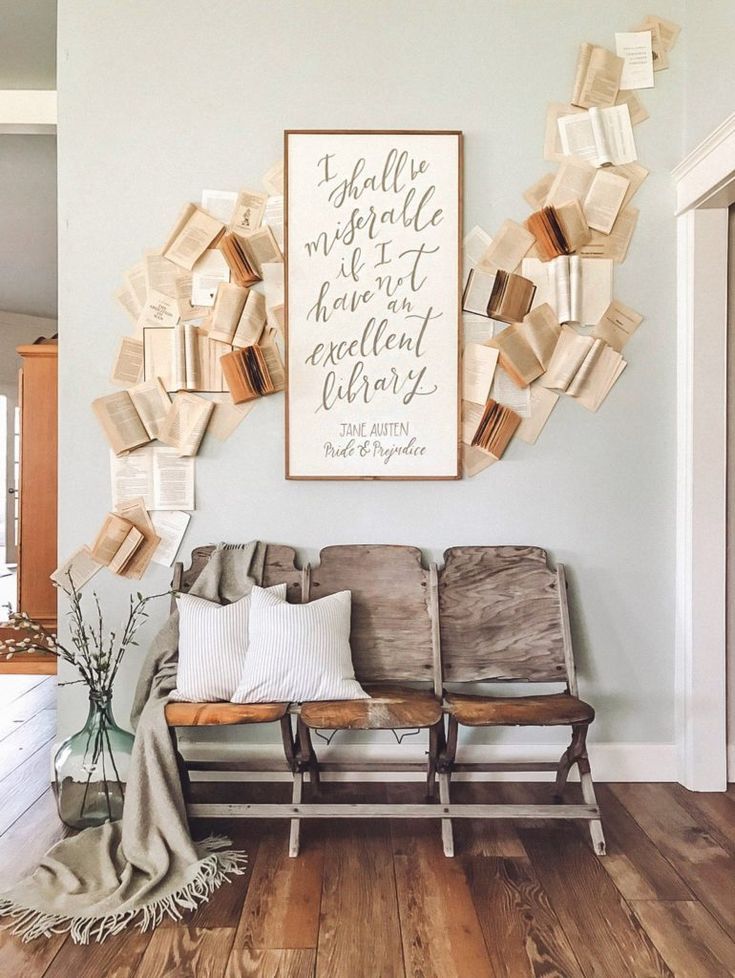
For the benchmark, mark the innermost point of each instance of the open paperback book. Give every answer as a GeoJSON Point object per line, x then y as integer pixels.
{"type": "Point", "coordinates": [559, 229]}
{"type": "Point", "coordinates": [238, 317]}
{"type": "Point", "coordinates": [185, 423]}
{"type": "Point", "coordinates": [597, 79]}
{"type": "Point", "coordinates": [253, 371]}
{"type": "Point", "coordinates": [184, 358]}
{"type": "Point", "coordinates": [599, 136]}
{"type": "Point", "coordinates": [132, 418]}
{"type": "Point", "coordinates": [246, 254]}
{"type": "Point", "coordinates": [579, 290]}
{"type": "Point", "coordinates": [598, 190]}
{"type": "Point", "coordinates": [193, 233]}
{"type": "Point", "coordinates": [496, 428]}
{"type": "Point", "coordinates": [478, 367]}
{"type": "Point", "coordinates": [498, 295]}
{"type": "Point", "coordinates": [583, 367]}
{"type": "Point", "coordinates": [156, 473]}
{"type": "Point", "coordinates": [507, 248]}
{"type": "Point", "coordinates": [123, 547]}
{"type": "Point", "coordinates": [617, 325]}
{"type": "Point", "coordinates": [525, 349]}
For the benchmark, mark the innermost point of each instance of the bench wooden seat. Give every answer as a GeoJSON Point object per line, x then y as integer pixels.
{"type": "Point", "coordinates": [389, 708]}
{"type": "Point", "coordinates": [554, 709]}
{"type": "Point", "coordinates": [222, 714]}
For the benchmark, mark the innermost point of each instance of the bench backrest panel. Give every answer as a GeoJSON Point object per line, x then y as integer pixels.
{"type": "Point", "coordinates": [391, 636]}
{"type": "Point", "coordinates": [280, 567]}
{"type": "Point", "coordinates": [500, 616]}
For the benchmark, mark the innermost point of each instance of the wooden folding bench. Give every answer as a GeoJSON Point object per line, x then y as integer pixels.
{"type": "Point", "coordinates": [504, 618]}
{"type": "Point", "coordinates": [279, 568]}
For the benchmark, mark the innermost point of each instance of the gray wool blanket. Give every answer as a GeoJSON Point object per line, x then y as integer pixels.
{"type": "Point", "coordinates": [146, 866]}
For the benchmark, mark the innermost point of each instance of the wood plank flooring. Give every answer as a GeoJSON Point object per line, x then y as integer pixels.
{"type": "Point", "coordinates": [377, 899]}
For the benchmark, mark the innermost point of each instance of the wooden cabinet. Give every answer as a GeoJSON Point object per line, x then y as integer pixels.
{"type": "Point", "coordinates": [37, 486]}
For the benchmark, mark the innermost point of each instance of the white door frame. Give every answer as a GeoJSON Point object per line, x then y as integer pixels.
{"type": "Point", "coordinates": [705, 188]}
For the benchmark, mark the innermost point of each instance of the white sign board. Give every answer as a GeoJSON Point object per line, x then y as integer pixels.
{"type": "Point", "coordinates": [373, 254]}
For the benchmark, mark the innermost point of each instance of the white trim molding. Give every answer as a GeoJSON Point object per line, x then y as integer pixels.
{"type": "Point", "coordinates": [705, 188]}
{"type": "Point", "coordinates": [27, 112]}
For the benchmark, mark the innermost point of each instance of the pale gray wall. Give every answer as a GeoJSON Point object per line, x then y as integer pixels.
{"type": "Point", "coordinates": [709, 47]}
{"type": "Point", "coordinates": [152, 130]}
{"type": "Point", "coordinates": [28, 44]}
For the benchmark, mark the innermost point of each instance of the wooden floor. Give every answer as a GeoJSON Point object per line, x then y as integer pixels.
{"type": "Point", "coordinates": [379, 900]}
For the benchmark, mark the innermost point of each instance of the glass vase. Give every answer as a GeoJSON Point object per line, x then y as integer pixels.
{"type": "Point", "coordinates": [91, 768]}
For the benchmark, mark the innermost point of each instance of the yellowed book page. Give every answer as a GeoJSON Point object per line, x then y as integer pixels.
{"type": "Point", "coordinates": [597, 79]}
{"type": "Point", "coordinates": [249, 210]}
{"type": "Point", "coordinates": [535, 196]}
{"type": "Point", "coordinates": [170, 527]}
{"type": "Point", "coordinates": [615, 244]}
{"type": "Point", "coordinates": [574, 222]}
{"type": "Point", "coordinates": [274, 218]}
{"type": "Point", "coordinates": [273, 178]}
{"type": "Point", "coordinates": [132, 475]}
{"type": "Point", "coordinates": [120, 422]}
{"type": "Point", "coordinates": [228, 306]}
{"type": "Point", "coordinates": [474, 461]}
{"type": "Point", "coordinates": [173, 479]}
{"type": "Point", "coordinates": [110, 538]}
{"type": "Point", "coordinates": [152, 404]}
{"type": "Point", "coordinates": [634, 47]}
{"type": "Point", "coordinates": [572, 182]}
{"type": "Point", "coordinates": [668, 30]}
{"type": "Point", "coordinates": [135, 511]}
{"type": "Point", "coordinates": [252, 320]}
{"type": "Point", "coordinates": [128, 548]}
{"type": "Point", "coordinates": [471, 418]}
{"type": "Point", "coordinates": [125, 297]}
{"type": "Point", "coordinates": [617, 325]}
{"type": "Point", "coordinates": [158, 348]}
{"type": "Point", "coordinates": [274, 363]}
{"type": "Point", "coordinates": [227, 417]}
{"type": "Point", "coordinates": [637, 110]}
{"type": "Point", "coordinates": [634, 173]}
{"type": "Point", "coordinates": [159, 310]}
{"type": "Point", "coordinates": [508, 247]}
{"type": "Point", "coordinates": [543, 402]}
{"type": "Point", "coordinates": [273, 289]}
{"type": "Point", "coordinates": [127, 367]}
{"type": "Point", "coordinates": [478, 290]}
{"type": "Point", "coordinates": [478, 367]}
{"type": "Point", "coordinates": [475, 244]}
{"type": "Point", "coordinates": [552, 140]}
{"type": "Point", "coordinates": [210, 352]}
{"type": "Point", "coordinates": [568, 357]}
{"type": "Point", "coordinates": [261, 247]}
{"type": "Point", "coordinates": [516, 356]}
{"type": "Point", "coordinates": [186, 422]}
{"type": "Point", "coordinates": [585, 373]}
{"type": "Point", "coordinates": [599, 380]}
{"type": "Point", "coordinates": [161, 275]}
{"type": "Point", "coordinates": [659, 50]}
{"type": "Point", "coordinates": [540, 329]}
{"type": "Point", "coordinates": [194, 236]}
{"type": "Point", "coordinates": [604, 200]}
{"type": "Point", "coordinates": [76, 571]}
{"type": "Point", "coordinates": [219, 204]}
{"type": "Point", "coordinates": [209, 271]}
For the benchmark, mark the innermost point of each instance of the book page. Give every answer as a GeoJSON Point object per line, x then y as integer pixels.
{"type": "Point", "coordinates": [507, 249]}
{"type": "Point", "coordinates": [574, 224]}
{"type": "Point", "coordinates": [619, 134]}
{"type": "Point", "coordinates": [274, 291]}
{"type": "Point", "coordinates": [475, 244]}
{"type": "Point", "coordinates": [598, 381]}
{"type": "Point", "coordinates": [577, 137]}
{"type": "Point", "coordinates": [506, 392]}
{"type": "Point", "coordinates": [227, 417]}
{"type": "Point", "coordinates": [158, 352]}
{"type": "Point", "coordinates": [193, 233]}
{"type": "Point", "coordinates": [248, 211]}
{"type": "Point", "coordinates": [184, 426]}
{"type": "Point", "coordinates": [471, 418]}
{"type": "Point", "coordinates": [477, 292]}
{"type": "Point", "coordinates": [208, 273]}
{"type": "Point", "coordinates": [565, 298]}
{"type": "Point", "coordinates": [261, 247]}
{"type": "Point", "coordinates": [110, 538]}
{"type": "Point", "coordinates": [597, 289]}
{"type": "Point", "coordinates": [540, 329]}
{"type": "Point", "coordinates": [273, 178]}
{"type": "Point", "coordinates": [604, 200]}
{"type": "Point", "coordinates": [161, 275]}
{"type": "Point", "coordinates": [636, 108]}
{"type": "Point", "coordinates": [535, 196]}
{"type": "Point", "coordinates": [538, 272]}
{"type": "Point", "coordinates": [178, 358]}
{"type": "Point", "coordinates": [617, 325]}
{"type": "Point", "coordinates": [478, 367]}
{"type": "Point", "coordinates": [598, 77]}
{"type": "Point", "coordinates": [132, 476]}
{"type": "Point", "coordinates": [634, 47]}
{"type": "Point", "coordinates": [159, 310]}
{"type": "Point", "coordinates": [251, 324]}
{"type": "Point", "coordinates": [173, 479]}
{"type": "Point", "coordinates": [273, 218]}
{"type": "Point", "coordinates": [516, 356]}
{"type": "Point", "coordinates": [152, 404]}
{"type": "Point", "coordinates": [614, 245]}
{"type": "Point", "coordinates": [543, 402]}
{"type": "Point", "coordinates": [634, 173]}
{"type": "Point", "coordinates": [568, 357]}
{"type": "Point", "coordinates": [170, 527]}
{"type": "Point", "coordinates": [127, 549]}
{"type": "Point", "coordinates": [209, 368]}
{"type": "Point", "coordinates": [474, 461]}
{"type": "Point", "coordinates": [228, 306]}
{"type": "Point", "coordinates": [668, 30]}
{"type": "Point", "coordinates": [135, 512]}
{"type": "Point", "coordinates": [552, 142]}
{"type": "Point", "coordinates": [572, 182]}
{"type": "Point", "coordinates": [476, 329]}
{"type": "Point", "coordinates": [120, 422]}
{"type": "Point", "coordinates": [220, 204]}
{"type": "Point", "coordinates": [76, 571]}
{"type": "Point", "coordinates": [127, 367]}
{"type": "Point", "coordinates": [274, 364]}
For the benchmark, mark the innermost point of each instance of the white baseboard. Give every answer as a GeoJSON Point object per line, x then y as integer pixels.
{"type": "Point", "coordinates": [610, 762]}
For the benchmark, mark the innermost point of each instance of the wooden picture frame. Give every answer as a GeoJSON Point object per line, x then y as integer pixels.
{"type": "Point", "coordinates": [373, 296]}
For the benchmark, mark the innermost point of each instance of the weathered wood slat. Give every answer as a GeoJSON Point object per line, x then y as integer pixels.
{"type": "Point", "coordinates": [500, 616]}
{"type": "Point", "coordinates": [342, 810]}
{"type": "Point", "coordinates": [222, 714]}
{"type": "Point", "coordinates": [556, 709]}
{"type": "Point", "coordinates": [390, 707]}
{"type": "Point", "coordinates": [391, 635]}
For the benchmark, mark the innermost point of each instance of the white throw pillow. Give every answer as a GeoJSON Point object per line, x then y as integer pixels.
{"type": "Point", "coordinates": [213, 640]}
{"type": "Point", "coordinates": [299, 652]}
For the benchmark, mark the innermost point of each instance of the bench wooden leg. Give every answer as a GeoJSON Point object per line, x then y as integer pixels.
{"type": "Point", "coordinates": [569, 758]}
{"type": "Point", "coordinates": [437, 744]}
{"type": "Point", "coordinates": [306, 754]}
{"type": "Point", "coordinates": [588, 793]}
{"type": "Point", "coordinates": [576, 753]}
{"type": "Point", "coordinates": [445, 765]}
{"type": "Point", "coordinates": [293, 839]}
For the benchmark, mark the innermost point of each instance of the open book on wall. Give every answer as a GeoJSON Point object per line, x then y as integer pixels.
{"type": "Point", "coordinates": [498, 295]}
{"type": "Point", "coordinates": [600, 136]}
{"type": "Point", "coordinates": [495, 429]}
{"type": "Point", "coordinates": [525, 349]}
{"type": "Point", "coordinates": [246, 254]}
{"type": "Point", "coordinates": [184, 357]}
{"type": "Point", "coordinates": [583, 367]}
{"type": "Point", "coordinates": [133, 417]}
{"type": "Point", "coordinates": [559, 229]}
{"type": "Point", "coordinates": [253, 371]}
{"type": "Point", "coordinates": [126, 542]}
{"type": "Point", "coordinates": [579, 290]}
{"type": "Point", "coordinates": [238, 316]}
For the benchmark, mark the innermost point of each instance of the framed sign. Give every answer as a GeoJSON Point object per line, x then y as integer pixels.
{"type": "Point", "coordinates": [373, 304]}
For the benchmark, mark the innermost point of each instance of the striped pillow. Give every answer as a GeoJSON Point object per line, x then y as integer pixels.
{"type": "Point", "coordinates": [299, 652]}
{"type": "Point", "coordinates": [213, 640]}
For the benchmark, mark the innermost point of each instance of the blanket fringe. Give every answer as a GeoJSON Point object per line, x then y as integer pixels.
{"type": "Point", "coordinates": [214, 870]}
